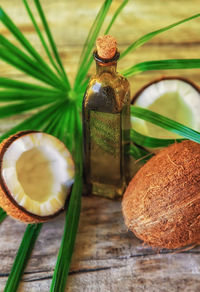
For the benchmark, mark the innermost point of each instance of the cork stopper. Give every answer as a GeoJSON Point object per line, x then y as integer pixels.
{"type": "Point", "coordinates": [106, 46]}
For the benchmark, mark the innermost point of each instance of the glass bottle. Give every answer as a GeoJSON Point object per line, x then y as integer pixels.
{"type": "Point", "coordinates": [106, 126]}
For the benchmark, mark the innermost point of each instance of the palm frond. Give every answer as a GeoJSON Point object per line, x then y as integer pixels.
{"type": "Point", "coordinates": [85, 59]}
{"type": "Point", "coordinates": [72, 216]}
{"type": "Point", "coordinates": [30, 95]}
{"type": "Point", "coordinates": [162, 65]}
{"type": "Point", "coordinates": [2, 215]}
{"type": "Point", "coordinates": [165, 123]}
{"type": "Point", "coordinates": [14, 56]}
{"type": "Point", "coordinates": [21, 107]}
{"type": "Point", "coordinates": [116, 14]}
{"type": "Point", "coordinates": [15, 84]}
{"type": "Point", "coordinates": [41, 37]}
{"type": "Point", "coordinates": [5, 19]}
{"type": "Point", "coordinates": [54, 120]}
{"type": "Point", "coordinates": [151, 142]}
{"type": "Point", "coordinates": [23, 254]}
{"type": "Point", "coordinates": [140, 154]}
{"type": "Point", "coordinates": [35, 122]}
{"type": "Point", "coordinates": [83, 80]}
{"type": "Point", "coordinates": [147, 37]}
{"type": "Point", "coordinates": [62, 129]}
{"type": "Point", "coordinates": [51, 41]}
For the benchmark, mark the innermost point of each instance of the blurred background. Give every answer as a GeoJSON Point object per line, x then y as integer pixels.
{"type": "Point", "coordinates": [70, 22]}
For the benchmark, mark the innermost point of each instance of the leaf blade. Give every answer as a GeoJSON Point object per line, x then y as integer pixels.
{"type": "Point", "coordinates": [116, 14]}
{"type": "Point", "coordinates": [3, 215]}
{"type": "Point", "coordinates": [141, 155]}
{"type": "Point", "coordinates": [146, 141]}
{"type": "Point", "coordinates": [162, 65]}
{"type": "Point", "coordinates": [165, 123]}
{"type": "Point", "coordinates": [25, 62]}
{"type": "Point", "coordinates": [142, 40]}
{"type": "Point", "coordinates": [72, 218]}
{"type": "Point", "coordinates": [16, 84]}
{"type": "Point", "coordinates": [53, 121]}
{"type": "Point", "coordinates": [6, 20]}
{"type": "Point", "coordinates": [86, 58]}
{"type": "Point", "coordinates": [35, 122]}
{"type": "Point", "coordinates": [28, 95]}
{"type": "Point", "coordinates": [15, 61]}
{"type": "Point", "coordinates": [40, 35]}
{"type": "Point", "coordinates": [23, 254]}
{"type": "Point", "coordinates": [51, 41]}
{"type": "Point", "coordinates": [89, 62]}
{"type": "Point", "coordinates": [17, 108]}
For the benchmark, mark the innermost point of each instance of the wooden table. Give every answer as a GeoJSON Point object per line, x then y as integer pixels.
{"type": "Point", "coordinates": [107, 257]}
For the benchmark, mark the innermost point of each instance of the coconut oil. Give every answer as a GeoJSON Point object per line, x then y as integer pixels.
{"type": "Point", "coordinates": [106, 124]}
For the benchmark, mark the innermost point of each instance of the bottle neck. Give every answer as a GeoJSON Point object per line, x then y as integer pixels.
{"type": "Point", "coordinates": [106, 65]}
{"type": "Point", "coordinates": [109, 67]}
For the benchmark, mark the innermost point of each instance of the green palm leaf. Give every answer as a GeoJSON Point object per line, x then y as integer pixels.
{"type": "Point", "coordinates": [35, 122]}
{"type": "Point", "coordinates": [51, 41]}
{"type": "Point", "coordinates": [20, 107]}
{"type": "Point", "coordinates": [162, 65]}
{"type": "Point", "coordinates": [147, 37]}
{"type": "Point", "coordinates": [15, 84]}
{"type": "Point", "coordinates": [54, 121]}
{"type": "Point", "coordinates": [21, 38]}
{"type": "Point", "coordinates": [2, 215]}
{"type": "Point", "coordinates": [23, 254]}
{"type": "Point", "coordinates": [165, 123]}
{"type": "Point", "coordinates": [29, 61]}
{"type": "Point", "coordinates": [30, 95]}
{"type": "Point", "coordinates": [146, 141]}
{"type": "Point", "coordinates": [23, 63]}
{"type": "Point", "coordinates": [116, 14]}
{"type": "Point", "coordinates": [140, 154]}
{"type": "Point", "coordinates": [85, 59]}
{"type": "Point", "coordinates": [41, 37]}
{"type": "Point", "coordinates": [72, 216]}
{"type": "Point", "coordinates": [83, 80]}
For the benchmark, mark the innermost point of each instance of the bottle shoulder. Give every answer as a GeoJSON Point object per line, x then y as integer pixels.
{"type": "Point", "coordinates": [106, 78]}
{"type": "Point", "coordinates": [107, 92]}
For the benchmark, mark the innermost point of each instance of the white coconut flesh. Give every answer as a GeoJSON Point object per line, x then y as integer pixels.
{"type": "Point", "coordinates": [38, 172]}
{"type": "Point", "coordinates": [172, 98]}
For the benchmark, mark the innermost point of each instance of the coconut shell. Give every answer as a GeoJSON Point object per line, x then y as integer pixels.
{"type": "Point", "coordinates": [162, 202]}
{"type": "Point", "coordinates": [7, 203]}
{"type": "Point", "coordinates": [139, 92]}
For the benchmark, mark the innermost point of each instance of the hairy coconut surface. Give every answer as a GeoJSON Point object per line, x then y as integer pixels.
{"type": "Point", "coordinates": [162, 202]}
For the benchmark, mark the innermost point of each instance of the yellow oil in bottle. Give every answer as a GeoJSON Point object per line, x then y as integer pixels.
{"type": "Point", "coordinates": [106, 125]}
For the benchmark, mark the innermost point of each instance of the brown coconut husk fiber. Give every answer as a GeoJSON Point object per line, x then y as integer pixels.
{"type": "Point", "coordinates": [162, 202]}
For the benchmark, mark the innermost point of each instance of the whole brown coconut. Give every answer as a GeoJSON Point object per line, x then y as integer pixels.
{"type": "Point", "coordinates": [162, 202]}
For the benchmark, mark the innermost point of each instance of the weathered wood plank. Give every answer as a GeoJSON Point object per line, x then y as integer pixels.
{"type": "Point", "coordinates": [106, 256]}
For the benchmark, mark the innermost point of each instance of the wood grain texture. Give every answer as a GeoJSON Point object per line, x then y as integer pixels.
{"type": "Point", "coordinates": [106, 257]}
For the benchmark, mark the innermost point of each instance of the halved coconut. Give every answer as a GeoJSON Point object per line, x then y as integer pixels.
{"type": "Point", "coordinates": [36, 174]}
{"type": "Point", "coordinates": [173, 97]}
